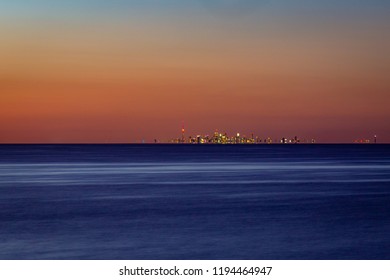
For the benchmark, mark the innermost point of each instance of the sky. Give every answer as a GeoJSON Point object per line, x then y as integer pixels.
{"type": "Point", "coordinates": [127, 71]}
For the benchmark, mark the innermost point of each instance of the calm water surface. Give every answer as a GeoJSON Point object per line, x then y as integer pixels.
{"type": "Point", "coordinates": [194, 202]}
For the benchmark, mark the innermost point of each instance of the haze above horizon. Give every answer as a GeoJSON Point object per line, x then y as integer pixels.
{"type": "Point", "coordinates": [122, 71]}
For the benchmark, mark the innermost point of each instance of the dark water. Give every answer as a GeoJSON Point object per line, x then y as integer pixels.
{"type": "Point", "coordinates": [194, 202]}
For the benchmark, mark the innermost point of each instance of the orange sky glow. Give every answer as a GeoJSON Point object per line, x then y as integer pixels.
{"type": "Point", "coordinates": [130, 78]}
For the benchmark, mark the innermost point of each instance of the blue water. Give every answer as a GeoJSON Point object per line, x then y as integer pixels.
{"type": "Point", "coordinates": [194, 202]}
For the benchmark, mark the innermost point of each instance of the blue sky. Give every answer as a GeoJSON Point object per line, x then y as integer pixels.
{"type": "Point", "coordinates": [16, 7]}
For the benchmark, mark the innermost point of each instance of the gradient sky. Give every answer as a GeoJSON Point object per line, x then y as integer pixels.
{"type": "Point", "coordinates": [122, 71]}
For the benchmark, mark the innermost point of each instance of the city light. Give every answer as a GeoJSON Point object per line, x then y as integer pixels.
{"type": "Point", "coordinates": [224, 138]}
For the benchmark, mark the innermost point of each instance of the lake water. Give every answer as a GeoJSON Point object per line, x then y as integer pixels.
{"type": "Point", "coordinates": [195, 202]}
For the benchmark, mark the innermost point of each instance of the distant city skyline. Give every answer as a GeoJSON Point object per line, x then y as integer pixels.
{"type": "Point", "coordinates": [222, 137]}
{"type": "Point", "coordinates": [127, 71]}
{"type": "Point", "coordinates": [218, 137]}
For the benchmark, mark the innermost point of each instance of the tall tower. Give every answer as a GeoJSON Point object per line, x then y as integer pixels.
{"type": "Point", "coordinates": [182, 132]}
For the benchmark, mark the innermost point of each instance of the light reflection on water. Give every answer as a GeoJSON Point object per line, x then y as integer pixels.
{"type": "Point", "coordinates": [193, 173]}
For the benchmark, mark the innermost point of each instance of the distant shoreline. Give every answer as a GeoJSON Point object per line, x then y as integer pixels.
{"type": "Point", "coordinates": [208, 144]}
